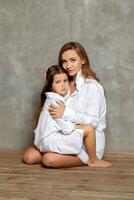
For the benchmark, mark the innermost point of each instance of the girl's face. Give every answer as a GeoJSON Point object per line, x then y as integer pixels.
{"type": "Point", "coordinates": [72, 62]}
{"type": "Point", "coordinates": [60, 84]}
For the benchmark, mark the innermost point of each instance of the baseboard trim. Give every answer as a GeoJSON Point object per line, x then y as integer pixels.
{"type": "Point", "coordinates": [119, 154]}
{"type": "Point", "coordinates": [107, 154]}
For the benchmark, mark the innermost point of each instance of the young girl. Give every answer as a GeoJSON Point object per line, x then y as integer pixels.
{"type": "Point", "coordinates": [60, 135]}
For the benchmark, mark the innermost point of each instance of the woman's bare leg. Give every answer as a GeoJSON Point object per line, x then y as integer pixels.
{"type": "Point", "coordinates": [90, 143]}
{"type": "Point", "coordinates": [55, 160]}
{"type": "Point", "coordinates": [32, 155]}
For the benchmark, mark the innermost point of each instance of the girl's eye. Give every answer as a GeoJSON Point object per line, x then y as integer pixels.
{"type": "Point", "coordinates": [57, 81]}
{"type": "Point", "coordinates": [63, 62]}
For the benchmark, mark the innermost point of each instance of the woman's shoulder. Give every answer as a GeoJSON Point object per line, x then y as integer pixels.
{"type": "Point", "coordinates": [93, 84]}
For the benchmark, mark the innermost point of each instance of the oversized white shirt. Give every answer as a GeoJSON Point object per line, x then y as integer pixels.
{"type": "Point", "coordinates": [47, 125]}
{"type": "Point", "coordinates": [87, 105]}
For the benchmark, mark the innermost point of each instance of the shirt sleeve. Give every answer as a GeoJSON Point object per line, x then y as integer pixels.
{"type": "Point", "coordinates": [66, 127]}
{"type": "Point", "coordinates": [96, 108]}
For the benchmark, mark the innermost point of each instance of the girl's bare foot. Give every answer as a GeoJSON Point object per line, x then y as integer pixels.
{"type": "Point", "coordinates": [99, 163]}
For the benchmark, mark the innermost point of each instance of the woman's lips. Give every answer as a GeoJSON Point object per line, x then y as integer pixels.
{"type": "Point", "coordinates": [70, 71]}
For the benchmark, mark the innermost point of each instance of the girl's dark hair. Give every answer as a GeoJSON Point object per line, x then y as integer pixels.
{"type": "Point", "coordinates": [87, 72]}
{"type": "Point", "coordinates": [53, 70]}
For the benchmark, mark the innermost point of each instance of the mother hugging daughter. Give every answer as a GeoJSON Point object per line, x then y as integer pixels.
{"type": "Point", "coordinates": [70, 122]}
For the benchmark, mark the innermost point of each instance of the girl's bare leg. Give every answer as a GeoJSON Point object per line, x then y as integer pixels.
{"type": "Point", "coordinates": [90, 143]}
{"type": "Point", "coordinates": [32, 155]}
{"type": "Point", "coordinates": [55, 160]}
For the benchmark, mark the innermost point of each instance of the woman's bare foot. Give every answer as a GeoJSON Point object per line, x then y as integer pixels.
{"type": "Point", "coordinates": [99, 163]}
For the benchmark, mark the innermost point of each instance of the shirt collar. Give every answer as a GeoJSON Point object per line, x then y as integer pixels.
{"type": "Point", "coordinates": [55, 96]}
{"type": "Point", "coordinates": [79, 80]}
{"type": "Point", "coordinates": [66, 96]}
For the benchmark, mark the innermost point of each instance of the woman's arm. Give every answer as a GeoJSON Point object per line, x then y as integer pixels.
{"type": "Point", "coordinates": [56, 111]}
{"type": "Point", "coordinates": [66, 127]}
{"type": "Point", "coordinates": [95, 110]}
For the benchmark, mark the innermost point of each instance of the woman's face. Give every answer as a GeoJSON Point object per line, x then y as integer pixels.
{"type": "Point", "coordinates": [72, 62]}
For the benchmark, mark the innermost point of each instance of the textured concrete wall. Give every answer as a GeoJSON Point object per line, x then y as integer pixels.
{"type": "Point", "coordinates": [31, 34]}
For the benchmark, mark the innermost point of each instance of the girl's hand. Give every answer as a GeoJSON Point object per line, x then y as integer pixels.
{"type": "Point", "coordinates": [57, 111]}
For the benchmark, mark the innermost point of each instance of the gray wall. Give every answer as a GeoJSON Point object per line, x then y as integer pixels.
{"type": "Point", "coordinates": [31, 34]}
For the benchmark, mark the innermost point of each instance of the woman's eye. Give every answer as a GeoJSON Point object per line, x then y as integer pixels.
{"type": "Point", "coordinates": [73, 60]}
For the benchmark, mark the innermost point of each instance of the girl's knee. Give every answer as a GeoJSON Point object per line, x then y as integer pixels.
{"type": "Point", "coordinates": [28, 159]}
{"type": "Point", "coordinates": [31, 158]}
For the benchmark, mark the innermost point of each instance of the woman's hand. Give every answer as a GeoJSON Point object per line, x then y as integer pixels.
{"type": "Point", "coordinates": [80, 126]}
{"type": "Point", "coordinates": [86, 127]}
{"type": "Point", "coordinates": [57, 111]}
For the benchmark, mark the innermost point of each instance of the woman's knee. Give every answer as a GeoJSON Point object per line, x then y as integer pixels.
{"type": "Point", "coordinates": [88, 129]}
{"type": "Point", "coordinates": [49, 160]}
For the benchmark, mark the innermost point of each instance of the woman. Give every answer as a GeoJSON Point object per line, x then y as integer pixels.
{"type": "Point", "coordinates": [88, 105]}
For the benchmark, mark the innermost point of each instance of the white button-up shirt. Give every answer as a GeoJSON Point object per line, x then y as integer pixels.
{"type": "Point", "coordinates": [57, 135]}
{"type": "Point", "coordinates": [47, 125]}
{"type": "Point", "coordinates": [87, 105]}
